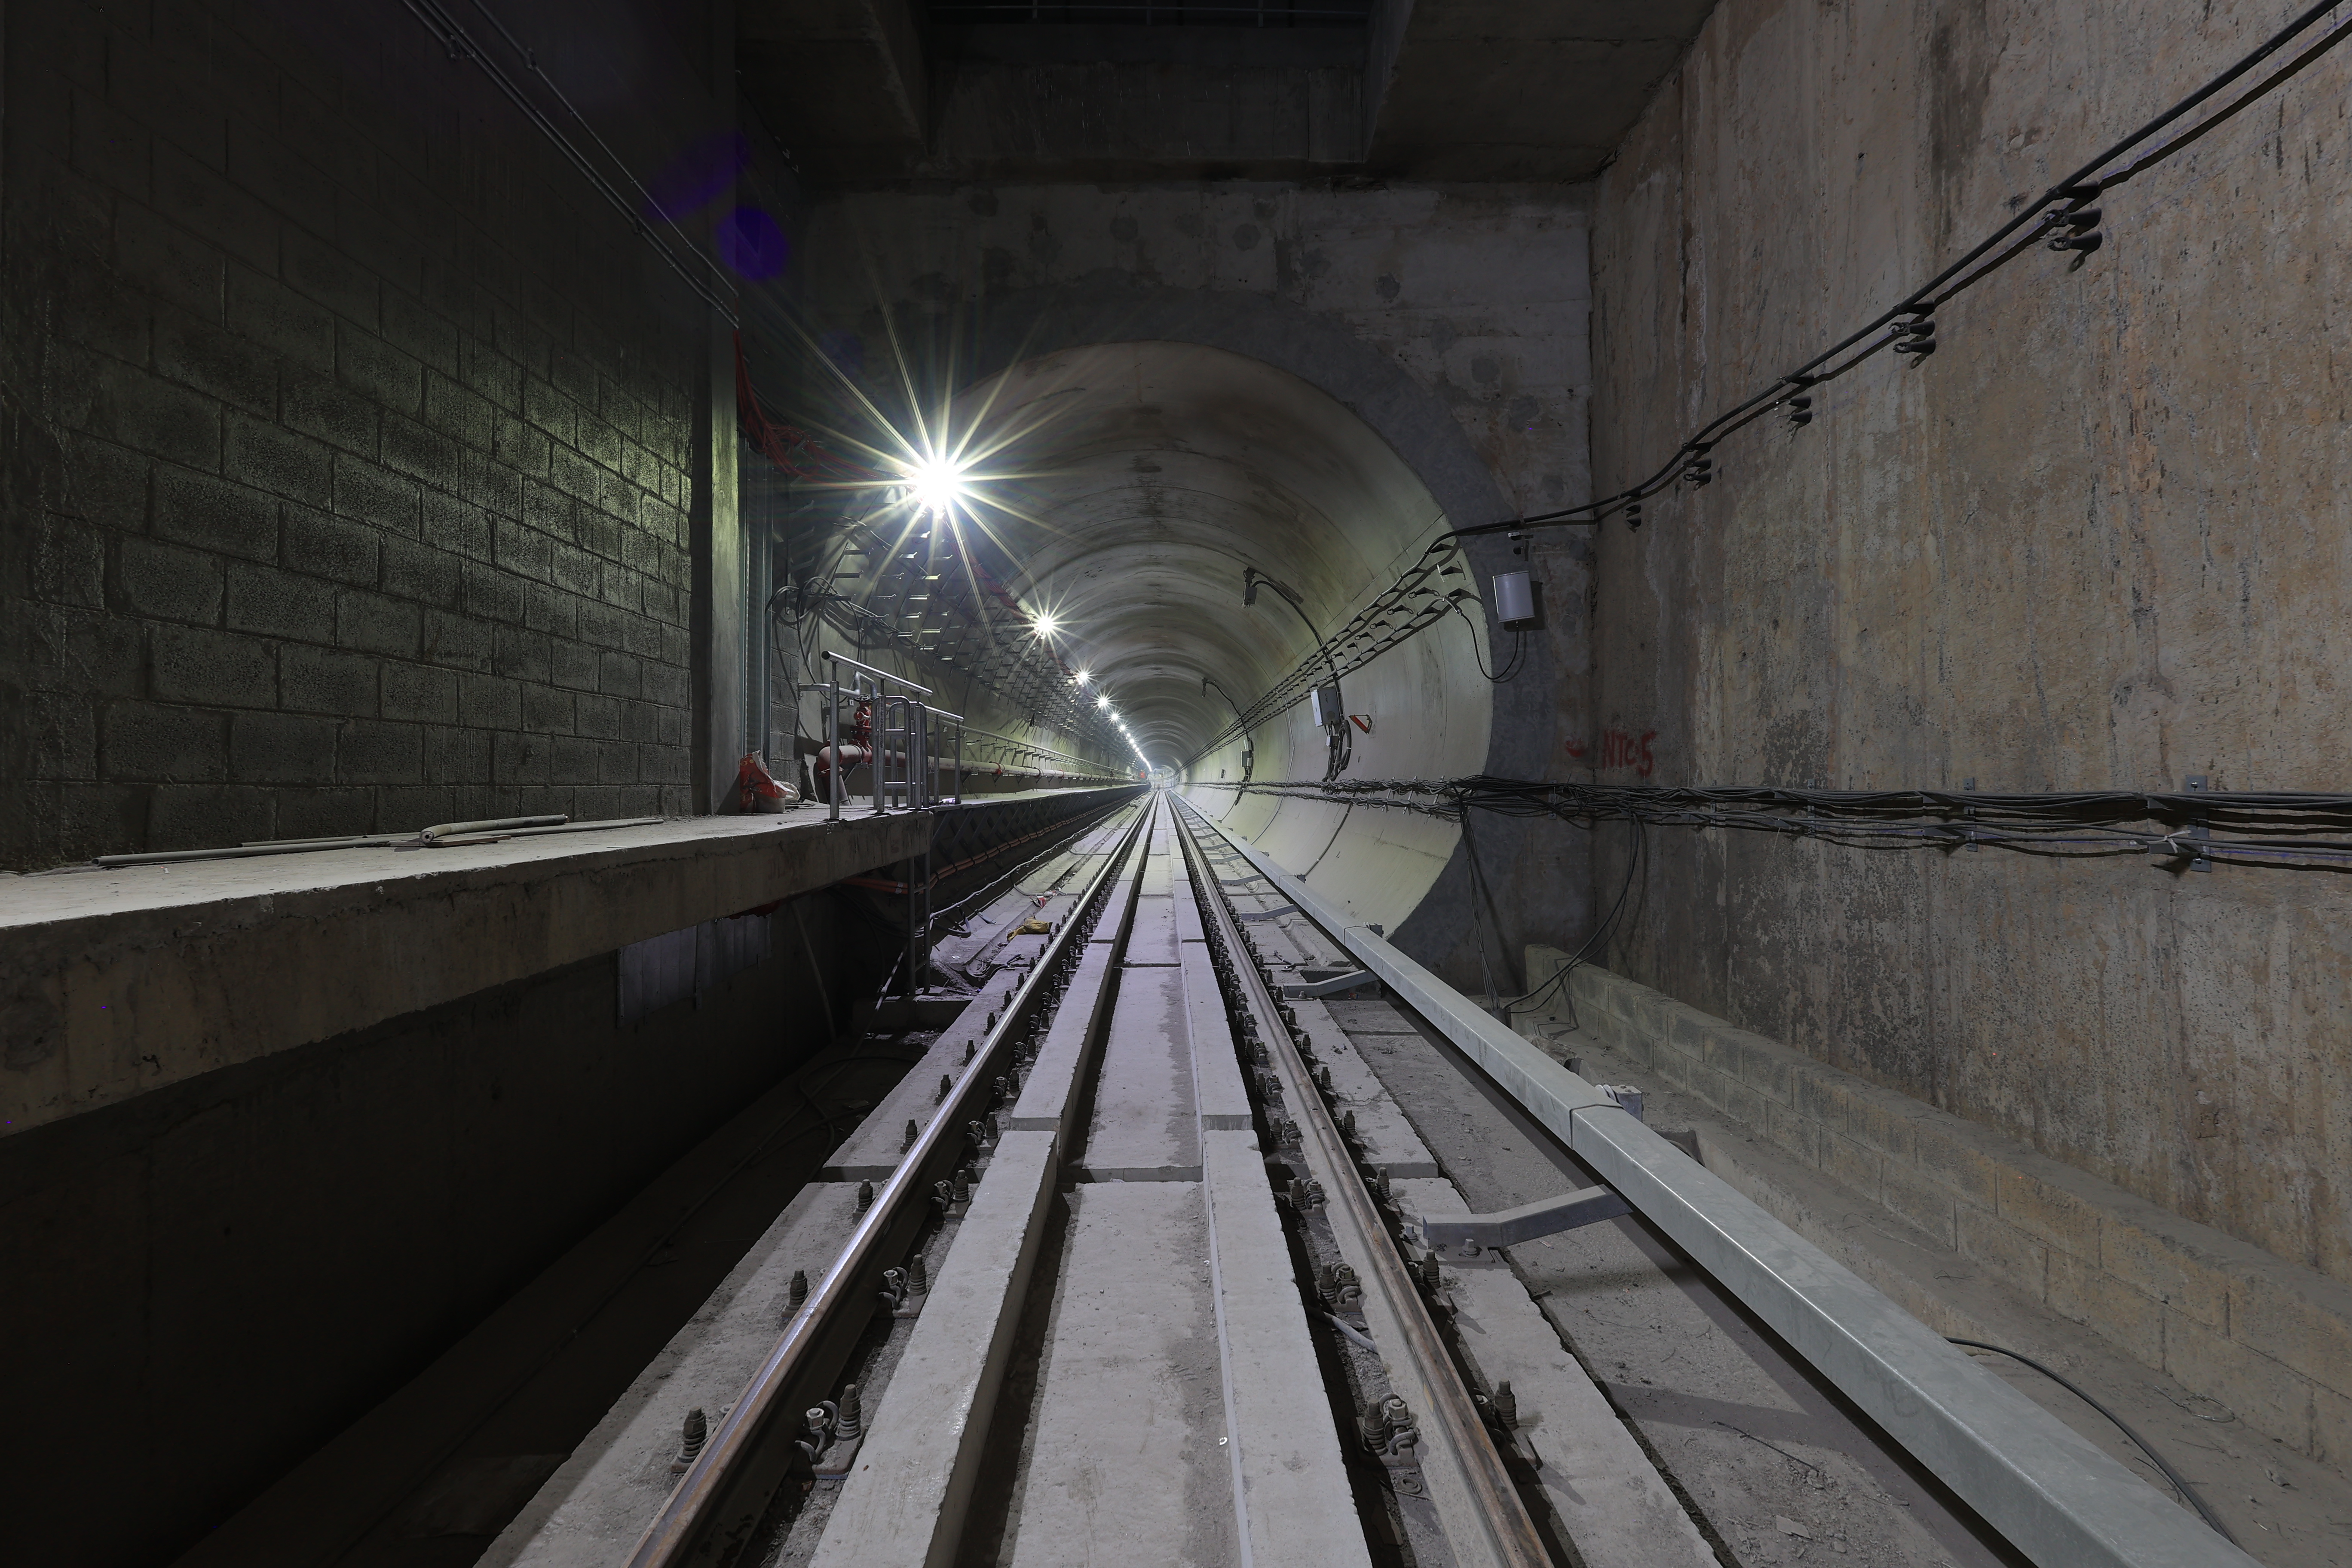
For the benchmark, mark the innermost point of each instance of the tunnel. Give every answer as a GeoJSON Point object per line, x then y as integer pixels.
{"type": "Point", "coordinates": [1156, 479]}
{"type": "Point", "coordinates": [1178, 782]}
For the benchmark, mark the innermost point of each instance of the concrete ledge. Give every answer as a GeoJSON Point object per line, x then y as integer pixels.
{"type": "Point", "coordinates": [2270, 1339]}
{"type": "Point", "coordinates": [116, 982]}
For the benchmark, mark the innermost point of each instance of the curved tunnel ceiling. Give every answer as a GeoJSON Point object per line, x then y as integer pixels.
{"type": "Point", "coordinates": [1136, 482]}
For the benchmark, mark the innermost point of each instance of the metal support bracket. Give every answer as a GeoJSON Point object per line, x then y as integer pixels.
{"type": "Point", "coordinates": [1471, 1234]}
{"type": "Point", "coordinates": [1332, 986]}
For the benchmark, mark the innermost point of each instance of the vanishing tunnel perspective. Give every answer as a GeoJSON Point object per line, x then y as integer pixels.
{"type": "Point", "coordinates": [1394, 782]}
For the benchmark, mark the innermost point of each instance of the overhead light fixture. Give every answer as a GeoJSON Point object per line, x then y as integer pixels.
{"type": "Point", "coordinates": [1084, 677]}
{"type": "Point", "coordinates": [1103, 700]}
{"type": "Point", "coordinates": [1044, 626]}
{"type": "Point", "coordinates": [934, 484]}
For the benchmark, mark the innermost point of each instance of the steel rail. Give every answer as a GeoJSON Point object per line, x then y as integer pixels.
{"type": "Point", "coordinates": [2057, 1498]}
{"type": "Point", "coordinates": [723, 1495]}
{"type": "Point", "coordinates": [1498, 1514]}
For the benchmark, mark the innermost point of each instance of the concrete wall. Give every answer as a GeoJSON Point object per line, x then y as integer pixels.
{"type": "Point", "coordinates": [1450, 320]}
{"type": "Point", "coordinates": [2094, 542]}
{"type": "Point", "coordinates": [352, 467]}
{"type": "Point", "coordinates": [223, 1273]}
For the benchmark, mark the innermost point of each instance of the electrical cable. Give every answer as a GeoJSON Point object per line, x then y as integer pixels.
{"type": "Point", "coordinates": [447, 30]}
{"type": "Point", "coordinates": [2279, 828]}
{"type": "Point", "coordinates": [2179, 1482]}
{"type": "Point", "coordinates": [2050, 219]}
{"type": "Point", "coordinates": [1559, 977]}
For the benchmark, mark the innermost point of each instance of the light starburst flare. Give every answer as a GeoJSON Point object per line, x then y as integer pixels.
{"type": "Point", "coordinates": [934, 483]}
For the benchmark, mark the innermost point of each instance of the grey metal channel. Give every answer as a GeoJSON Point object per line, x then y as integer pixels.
{"type": "Point", "coordinates": [2049, 1492]}
{"type": "Point", "coordinates": [717, 1503]}
{"type": "Point", "coordinates": [1481, 1512]}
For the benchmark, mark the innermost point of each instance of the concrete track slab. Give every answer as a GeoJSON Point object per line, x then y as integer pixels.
{"type": "Point", "coordinates": [1124, 1462]}
{"type": "Point", "coordinates": [1188, 917]}
{"type": "Point", "coordinates": [1293, 1484]}
{"type": "Point", "coordinates": [1389, 1142]}
{"type": "Point", "coordinates": [1154, 941]}
{"type": "Point", "coordinates": [1158, 874]}
{"type": "Point", "coordinates": [1219, 1094]}
{"type": "Point", "coordinates": [1048, 1096]}
{"type": "Point", "coordinates": [903, 1503]}
{"type": "Point", "coordinates": [871, 1152]}
{"type": "Point", "coordinates": [1143, 1128]}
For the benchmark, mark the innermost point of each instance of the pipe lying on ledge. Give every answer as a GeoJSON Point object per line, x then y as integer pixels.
{"type": "Point", "coordinates": [445, 835]}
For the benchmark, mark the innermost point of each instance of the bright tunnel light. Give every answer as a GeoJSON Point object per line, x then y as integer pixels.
{"type": "Point", "coordinates": [935, 484]}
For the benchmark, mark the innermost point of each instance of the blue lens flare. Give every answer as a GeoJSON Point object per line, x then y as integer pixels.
{"type": "Point", "coordinates": [750, 242]}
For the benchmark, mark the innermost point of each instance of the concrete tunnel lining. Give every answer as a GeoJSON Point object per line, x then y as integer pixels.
{"type": "Point", "coordinates": [1135, 483]}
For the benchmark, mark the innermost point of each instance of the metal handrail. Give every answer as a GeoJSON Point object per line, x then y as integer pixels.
{"type": "Point", "coordinates": [919, 767]}
{"type": "Point", "coordinates": [879, 674]}
{"type": "Point", "coordinates": [669, 1537]}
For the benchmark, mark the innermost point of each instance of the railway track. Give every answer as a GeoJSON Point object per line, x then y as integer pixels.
{"type": "Point", "coordinates": [1131, 1289]}
{"type": "Point", "coordinates": [1137, 1269]}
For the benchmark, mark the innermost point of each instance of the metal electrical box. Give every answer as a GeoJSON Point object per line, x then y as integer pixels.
{"type": "Point", "coordinates": [1326, 701]}
{"type": "Point", "coordinates": [1515, 598]}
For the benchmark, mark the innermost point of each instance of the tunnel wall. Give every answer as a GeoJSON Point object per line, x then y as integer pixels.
{"type": "Point", "coordinates": [2095, 543]}
{"type": "Point", "coordinates": [224, 1272]}
{"type": "Point", "coordinates": [351, 470]}
{"type": "Point", "coordinates": [1450, 318]}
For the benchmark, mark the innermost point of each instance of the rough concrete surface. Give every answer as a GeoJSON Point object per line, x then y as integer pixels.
{"type": "Point", "coordinates": [1145, 1125]}
{"type": "Point", "coordinates": [2284, 1506]}
{"type": "Point", "coordinates": [1124, 1461]}
{"type": "Point", "coordinates": [2266, 1339]}
{"type": "Point", "coordinates": [2094, 542]}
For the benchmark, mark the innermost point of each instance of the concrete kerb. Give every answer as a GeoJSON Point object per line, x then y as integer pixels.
{"type": "Point", "coordinates": [2054, 1495]}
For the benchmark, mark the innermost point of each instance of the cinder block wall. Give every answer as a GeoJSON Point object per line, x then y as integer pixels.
{"type": "Point", "coordinates": [2268, 1337]}
{"type": "Point", "coordinates": [347, 432]}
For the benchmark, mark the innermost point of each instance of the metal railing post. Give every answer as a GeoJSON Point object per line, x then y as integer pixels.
{"type": "Point", "coordinates": [881, 745]}
{"type": "Point", "coordinates": [833, 781]}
